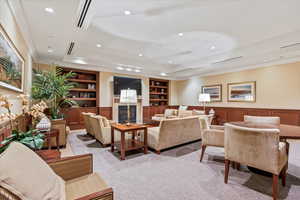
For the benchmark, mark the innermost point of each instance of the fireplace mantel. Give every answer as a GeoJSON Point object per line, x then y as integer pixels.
{"type": "Point", "coordinates": [139, 109]}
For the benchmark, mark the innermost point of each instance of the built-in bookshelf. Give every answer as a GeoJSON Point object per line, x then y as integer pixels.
{"type": "Point", "coordinates": [158, 92]}
{"type": "Point", "coordinates": [85, 92]}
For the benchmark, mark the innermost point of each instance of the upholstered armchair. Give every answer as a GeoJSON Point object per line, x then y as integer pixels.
{"type": "Point", "coordinates": [169, 113]}
{"type": "Point", "coordinates": [258, 148]}
{"type": "Point", "coordinates": [87, 124]}
{"type": "Point", "coordinates": [70, 178]}
{"type": "Point", "coordinates": [262, 120]}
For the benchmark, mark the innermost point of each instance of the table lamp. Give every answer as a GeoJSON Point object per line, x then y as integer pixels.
{"type": "Point", "coordinates": [128, 97]}
{"type": "Point", "coordinates": [204, 98]}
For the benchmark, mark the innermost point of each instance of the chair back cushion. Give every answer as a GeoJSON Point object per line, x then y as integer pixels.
{"type": "Point", "coordinates": [253, 147]}
{"type": "Point", "coordinates": [170, 112]}
{"type": "Point", "coordinates": [262, 120]}
{"type": "Point", "coordinates": [182, 107]}
{"type": "Point", "coordinates": [185, 113]}
{"type": "Point", "coordinates": [86, 121]}
{"type": "Point", "coordinates": [25, 174]}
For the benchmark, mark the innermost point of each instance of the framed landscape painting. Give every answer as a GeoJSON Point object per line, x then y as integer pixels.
{"type": "Point", "coordinates": [242, 92]}
{"type": "Point", "coordinates": [215, 92]}
{"type": "Point", "coordinates": [11, 64]}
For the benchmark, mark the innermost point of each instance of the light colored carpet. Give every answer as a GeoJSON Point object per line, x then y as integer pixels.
{"type": "Point", "coordinates": [177, 174]}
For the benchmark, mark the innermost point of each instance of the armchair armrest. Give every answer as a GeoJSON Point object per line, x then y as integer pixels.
{"type": "Point", "coordinates": [73, 167]}
{"type": "Point", "coordinates": [106, 194]}
{"type": "Point", "coordinates": [217, 127]}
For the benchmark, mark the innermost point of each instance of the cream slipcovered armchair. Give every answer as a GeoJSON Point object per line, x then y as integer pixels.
{"type": "Point", "coordinates": [258, 148]}
{"type": "Point", "coordinates": [87, 124]}
{"type": "Point", "coordinates": [168, 114]}
{"type": "Point", "coordinates": [212, 135]}
{"type": "Point", "coordinates": [101, 129]}
{"type": "Point", "coordinates": [262, 120]}
{"type": "Point", "coordinates": [69, 178]}
{"type": "Point", "coordinates": [172, 132]}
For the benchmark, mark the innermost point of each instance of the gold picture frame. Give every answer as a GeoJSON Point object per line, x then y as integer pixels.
{"type": "Point", "coordinates": [12, 64]}
{"type": "Point", "coordinates": [215, 92]}
{"type": "Point", "coordinates": [241, 92]}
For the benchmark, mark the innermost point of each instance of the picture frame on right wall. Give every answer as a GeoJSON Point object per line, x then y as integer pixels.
{"type": "Point", "coordinates": [241, 92]}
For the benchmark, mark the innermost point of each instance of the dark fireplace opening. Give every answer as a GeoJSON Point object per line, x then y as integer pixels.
{"type": "Point", "coordinates": [123, 116]}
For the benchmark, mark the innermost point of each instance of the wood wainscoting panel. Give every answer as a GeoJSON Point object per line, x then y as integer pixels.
{"type": "Point", "coordinates": [106, 112]}
{"type": "Point", "coordinates": [229, 114]}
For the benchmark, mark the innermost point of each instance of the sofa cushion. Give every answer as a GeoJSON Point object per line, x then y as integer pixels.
{"type": "Point", "coordinates": [85, 185]}
{"type": "Point", "coordinates": [198, 112]}
{"type": "Point", "coordinates": [26, 175]}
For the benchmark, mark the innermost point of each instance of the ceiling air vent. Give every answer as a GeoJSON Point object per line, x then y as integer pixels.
{"type": "Point", "coordinates": [83, 13]}
{"type": "Point", "coordinates": [70, 49]}
{"type": "Point", "coordinates": [228, 60]}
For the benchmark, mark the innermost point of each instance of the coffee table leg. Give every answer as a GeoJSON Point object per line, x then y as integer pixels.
{"type": "Point", "coordinates": [145, 140]}
{"type": "Point", "coordinates": [122, 145]}
{"type": "Point", "coordinates": [112, 140]}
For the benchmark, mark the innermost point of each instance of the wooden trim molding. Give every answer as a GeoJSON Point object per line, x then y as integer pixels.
{"type": "Point", "coordinates": [228, 114]}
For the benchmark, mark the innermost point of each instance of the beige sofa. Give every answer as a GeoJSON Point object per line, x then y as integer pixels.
{"type": "Point", "coordinates": [173, 132]}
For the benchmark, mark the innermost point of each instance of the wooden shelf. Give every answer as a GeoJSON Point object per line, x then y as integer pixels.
{"type": "Point", "coordinates": [158, 93]}
{"type": "Point", "coordinates": [82, 81]}
{"type": "Point", "coordinates": [158, 99]}
{"type": "Point", "coordinates": [83, 99]}
{"type": "Point", "coordinates": [158, 86]}
{"type": "Point", "coordinates": [83, 90]}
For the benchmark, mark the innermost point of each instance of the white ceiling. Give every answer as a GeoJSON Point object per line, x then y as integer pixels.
{"type": "Point", "coordinates": [218, 35]}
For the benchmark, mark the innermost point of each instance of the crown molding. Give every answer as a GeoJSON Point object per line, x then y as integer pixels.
{"type": "Point", "coordinates": [17, 10]}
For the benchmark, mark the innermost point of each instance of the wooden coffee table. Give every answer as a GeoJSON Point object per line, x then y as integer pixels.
{"type": "Point", "coordinates": [129, 144]}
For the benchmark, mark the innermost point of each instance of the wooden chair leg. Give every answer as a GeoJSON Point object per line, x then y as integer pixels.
{"type": "Point", "coordinates": [283, 176]}
{"type": "Point", "coordinates": [227, 165]}
{"type": "Point", "coordinates": [238, 166]}
{"type": "Point", "coordinates": [275, 186]}
{"type": "Point", "coordinates": [202, 152]}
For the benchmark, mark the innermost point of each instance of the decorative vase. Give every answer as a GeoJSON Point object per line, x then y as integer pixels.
{"type": "Point", "coordinates": [44, 125]}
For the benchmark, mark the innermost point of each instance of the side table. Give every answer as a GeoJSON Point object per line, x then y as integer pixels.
{"type": "Point", "coordinates": [129, 144]}
{"type": "Point", "coordinates": [49, 135]}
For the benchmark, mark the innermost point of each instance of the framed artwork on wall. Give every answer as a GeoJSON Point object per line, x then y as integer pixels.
{"type": "Point", "coordinates": [215, 92]}
{"type": "Point", "coordinates": [242, 92]}
{"type": "Point", "coordinates": [11, 64]}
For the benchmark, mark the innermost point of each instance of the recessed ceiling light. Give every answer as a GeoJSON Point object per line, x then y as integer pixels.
{"type": "Point", "coordinates": [49, 10]}
{"type": "Point", "coordinates": [50, 50]}
{"type": "Point", "coordinates": [163, 74]}
{"type": "Point", "coordinates": [120, 68]}
{"type": "Point", "coordinates": [80, 61]}
{"type": "Point", "coordinates": [99, 45]}
{"type": "Point", "coordinates": [137, 70]}
{"type": "Point", "coordinates": [212, 48]}
{"type": "Point", "coordinates": [127, 12]}
{"type": "Point", "coordinates": [140, 55]}
{"type": "Point", "coordinates": [180, 34]}
{"type": "Point", "coordinates": [128, 69]}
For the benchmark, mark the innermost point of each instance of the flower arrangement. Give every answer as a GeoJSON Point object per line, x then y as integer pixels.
{"type": "Point", "coordinates": [30, 138]}
{"type": "Point", "coordinates": [25, 102]}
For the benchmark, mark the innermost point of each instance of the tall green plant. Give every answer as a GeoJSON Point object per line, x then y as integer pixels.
{"type": "Point", "coordinates": [53, 87]}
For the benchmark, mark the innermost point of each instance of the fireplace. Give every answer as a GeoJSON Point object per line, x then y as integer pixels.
{"type": "Point", "coordinates": [123, 113]}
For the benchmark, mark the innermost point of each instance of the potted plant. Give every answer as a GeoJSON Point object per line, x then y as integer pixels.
{"type": "Point", "coordinates": [53, 87]}
{"type": "Point", "coordinates": [31, 138]}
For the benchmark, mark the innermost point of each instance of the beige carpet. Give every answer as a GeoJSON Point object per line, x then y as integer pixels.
{"type": "Point", "coordinates": [177, 174]}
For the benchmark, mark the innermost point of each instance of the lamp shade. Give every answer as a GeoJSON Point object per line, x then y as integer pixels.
{"type": "Point", "coordinates": [204, 97]}
{"type": "Point", "coordinates": [128, 96]}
